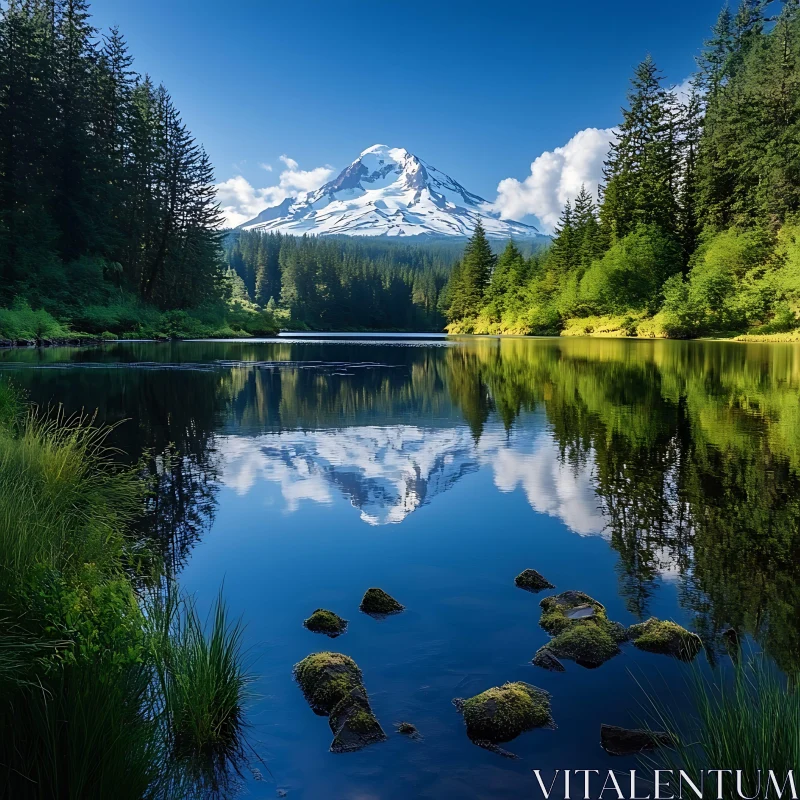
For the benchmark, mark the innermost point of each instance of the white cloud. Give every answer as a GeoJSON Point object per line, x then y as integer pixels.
{"type": "Point", "coordinates": [267, 167]}
{"type": "Point", "coordinates": [241, 201]}
{"type": "Point", "coordinates": [556, 176]}
{"type": "Point", "coordinates": [683, 90]}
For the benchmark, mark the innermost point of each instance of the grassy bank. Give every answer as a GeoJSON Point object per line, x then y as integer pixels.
{"type": "Point", "coordinates": [129, 319]}
{"type": "Point", "coordinates": [747, 722]}
{"type": "Point", "coordinates": [105, 690]}
{"type": "Point", "coordinates": [632, 324]}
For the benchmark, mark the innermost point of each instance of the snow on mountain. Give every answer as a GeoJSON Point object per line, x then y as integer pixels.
{"type": "Point", "coordinates": [388, 191]}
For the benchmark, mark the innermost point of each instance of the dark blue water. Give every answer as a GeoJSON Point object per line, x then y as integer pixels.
{"type": "Point", "coordinates": [651, 475]}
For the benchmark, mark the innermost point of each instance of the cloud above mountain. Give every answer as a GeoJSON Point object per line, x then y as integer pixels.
{"type": "Point", "coordinates": [241, 201]}
{"type": "Point", "coordinates": [556, 176]}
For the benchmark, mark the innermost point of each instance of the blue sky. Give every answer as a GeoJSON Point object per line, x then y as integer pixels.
{"type": "Point", "coordinates": [477, 89]}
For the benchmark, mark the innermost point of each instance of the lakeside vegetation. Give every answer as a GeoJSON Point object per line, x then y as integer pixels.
{"type": "Point", "coordinates": [111, 684]}
{"type": "Point", "coordinates": [697, 232]}
{"type": "Point", "coordinates": [746, 722]}
{"type": "Point", "coordinates": [109, 224]}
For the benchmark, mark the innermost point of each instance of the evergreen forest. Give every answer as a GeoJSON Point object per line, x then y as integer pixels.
{"type": "Point", "coordinates": [697, 230]}
{"type": "Point", "coordinates": [109, 225]}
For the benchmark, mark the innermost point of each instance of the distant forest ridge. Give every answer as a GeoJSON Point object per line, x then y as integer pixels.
{"type": "Point", "coordinates": [346, 282]}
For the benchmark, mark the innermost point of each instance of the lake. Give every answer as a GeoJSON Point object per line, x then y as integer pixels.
{"type": "Point", "coordinates": [660, 477]}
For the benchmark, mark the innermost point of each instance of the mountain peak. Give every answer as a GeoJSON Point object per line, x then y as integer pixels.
{"type": "Point", "coordinates": [388, 191]}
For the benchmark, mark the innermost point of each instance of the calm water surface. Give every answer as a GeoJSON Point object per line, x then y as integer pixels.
{"type": "Point", "coordinates": [663, 478]}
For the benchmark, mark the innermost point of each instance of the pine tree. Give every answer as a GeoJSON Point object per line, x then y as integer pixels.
{"type": "Point", "coordinates": [589, 242]}
{"type": "Point", "coordinates": [563, 254]}
{"type": "Point", "coordinates": [641, 169]}
{"type": "Point", "coordinates": [714, 60]}
{"type": "Point", "coordinates": [508, 276]}
{"type": "Point", "coordinates": [470, 281]}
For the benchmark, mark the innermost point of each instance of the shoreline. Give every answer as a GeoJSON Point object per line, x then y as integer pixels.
{"type": "Point", "coordinates": [790, 337]}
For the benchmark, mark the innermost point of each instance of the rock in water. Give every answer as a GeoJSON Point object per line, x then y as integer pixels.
{"type": "Point", "coordinates": [532, 581]}
{"type": "Point", "coordinates": [332, 685]}
{"type": "Point", "coordinates": [545, 659]}
{"type": "Point", "coordinates": [407, 729]}
{"type": "Point", "coordinates": [582, 632]}
{"type": "Point", "coordinates": [558, 611]}
{"type": "Point", "coordinates": [667, 638]}
{"type": "Point", "coordinates": [627, 742]}
{"type": "Point", "coordinates": [324, 621]}
{"type": "Point", "coordinates": [378, 603]}
{"type": "Point", "coordinates": [504, 712]}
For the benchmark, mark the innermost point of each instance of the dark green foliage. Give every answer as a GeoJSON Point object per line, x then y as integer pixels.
{"type": "Point", "coordinates": [102, 187]}
{"type": "Point", "coordinates": [339, 284]}
{"type": "Point", "coordinates": [750, 721]}
{"type": "Point", "coordinates": [470, 278]}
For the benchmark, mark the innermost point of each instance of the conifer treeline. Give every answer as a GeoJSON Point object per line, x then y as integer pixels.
{"type": "Point", "coordinates": [341, 283]}
{"type": "Point", "coordinates": [697, 230]}
{"type": "Point", "coordinates": [102, 187]}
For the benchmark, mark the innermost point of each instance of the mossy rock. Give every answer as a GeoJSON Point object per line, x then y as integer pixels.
{"type": "Point", "coordinates": [324, 621]}
{"type": "Point", "coordinates": [561, 611]}
{"type": "Point", "coordinates": [665, 637]}
{"type": "Point", "coordinates": [532, 581]}
{"type": "Point", "coordinates": [354, 724]}
{"type": "Point", "coordinates": [331, 682]}
{"type": "Point", "coordinates": [327, 678]}
{"type": "Point", "coordinates": [379, 603]}
{"type": "Point", "coordinates": [581, 629]}
{"type": "Point", "coordinates": [504, 712]}
{"type": "Point", "coordinates": [589, 644]}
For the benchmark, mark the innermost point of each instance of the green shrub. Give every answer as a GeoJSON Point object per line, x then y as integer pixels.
{"type": "Point", "coordinates": [725, 290]}
{"type": "Point", "coordinates": [22, 322]}
{"type": "Point", "coordinates": [630, 274]}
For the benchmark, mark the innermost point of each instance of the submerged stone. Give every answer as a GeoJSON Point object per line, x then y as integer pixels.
{"type": "Point", "coordinates": [332, 685]}
{"type": "Point", "coordinates": [665, 637]}
{"type": "Point", "coordinates": [532, 581]}
{"type": "Point", "coordinates": [376, 601]}
{"type": "Point", "coordinates": [629, 741]}
{"type": "Point", "coordinates": [545, 659]}
{"type": "Point", "coordinates": [324, 621]}
{"type": "Point", "coordinates": [504, 712]}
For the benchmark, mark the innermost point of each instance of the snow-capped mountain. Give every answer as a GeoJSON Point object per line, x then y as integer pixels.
{"type": "Point", "coordinates": [388, 191]}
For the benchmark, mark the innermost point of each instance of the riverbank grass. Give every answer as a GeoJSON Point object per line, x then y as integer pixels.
{"type": "Point", "coordinates": [94, 701]}
{"type": "Point", "coordinates": [747, 721]}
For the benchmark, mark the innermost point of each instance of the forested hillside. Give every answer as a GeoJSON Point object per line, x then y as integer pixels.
{"type": "Point", "coordinates": [342, 283]}
{"type": "Point", "coordinates": [698, 228]}
{"type": "Point", "coordinates": [108, 216]}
